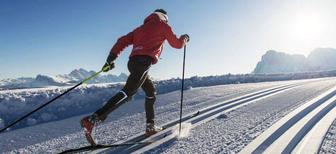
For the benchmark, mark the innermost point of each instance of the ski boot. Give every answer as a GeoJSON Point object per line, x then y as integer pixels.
{"type": "Point", "coordinates": [88, 124]}
{"type": "Point", "coordinates": [152, 129]}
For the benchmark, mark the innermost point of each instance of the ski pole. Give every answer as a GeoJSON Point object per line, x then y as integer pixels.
{"type": "Point", "coordinates": [182, 88]}
{"type": "Point", "coordinates": [45, 104]}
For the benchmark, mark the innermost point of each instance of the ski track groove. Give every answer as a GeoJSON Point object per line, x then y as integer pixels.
{"type": "Point", "coordinates": [305, 140]}
{"type": "Point", "coordinates": [73, 136]}
{"type": "Point", "coordinates": [210, 113]}
{"type": "Point", "coordinates": [241, 138]}
{"type": "Point", "coordinates": [61, 140]}
{"type": "Point", "coordinates": [290, 133]}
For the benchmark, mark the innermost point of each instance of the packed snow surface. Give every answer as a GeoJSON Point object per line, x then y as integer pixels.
{"type": "Point", "coordinates": [183, 132]}
{"type": "Point", "coordinates": [329, 143]}
{"type": "Point", "coordinates": [234, 130]}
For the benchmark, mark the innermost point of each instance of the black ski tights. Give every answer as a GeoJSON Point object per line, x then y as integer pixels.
{"type": "Point", "coordinates": [138, 67]}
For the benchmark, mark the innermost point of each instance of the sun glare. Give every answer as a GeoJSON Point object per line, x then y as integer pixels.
{"type": "Point", "coordinates": [306, 27]}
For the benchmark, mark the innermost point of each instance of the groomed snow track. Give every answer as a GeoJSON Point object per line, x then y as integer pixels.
{"type": "Point", "coordinates": [301, 131]}
{"type": "Point", "coordinates": [195, 119]}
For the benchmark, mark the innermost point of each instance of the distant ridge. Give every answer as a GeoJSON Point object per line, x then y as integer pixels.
{"type": "Point", "coordinates": [59, 80]}
{"type": "Point", "coordinates": [320, 59]}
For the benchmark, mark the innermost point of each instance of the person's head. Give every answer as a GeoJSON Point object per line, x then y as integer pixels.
{"type": "Point", "coordinates": [162, 14]}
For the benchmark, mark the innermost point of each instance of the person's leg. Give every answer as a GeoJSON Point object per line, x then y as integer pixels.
{"type": "Point", "coordinates": [138, 73]}
{"type": "Point", "coordinates": [138, 68]}
{"type": "Point", "coordinates": [112, 104]}
{"type": "Point", "coordinates": [150, 91]}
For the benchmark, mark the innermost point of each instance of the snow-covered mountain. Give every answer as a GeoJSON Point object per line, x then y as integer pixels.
{"type": "Point", "coordinates": [74, 76]}
{"type": "Point", "coordinates": [81, 74]}
{"type": "Point", "coordinates": [11, 82]}
{"type": "Point", "coordinates": [320, 59]}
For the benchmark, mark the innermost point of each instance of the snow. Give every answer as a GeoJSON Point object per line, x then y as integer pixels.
{"type": "Point", "coordinates": [73, 77]}
{"type": "Point", "coordinates": [184, 132]}
{"type": "Point", "coordinates": [313, 140]}
{"type": "Point", "coordinates": [124, 122]}
{"type": "Point", "coordinates": [85, 99]}
{"type": "Point", "coordinates": [283, 131]}
{"type": "Point", "coordinates": [2, 123]}
{"type": "Point", "coordinates": [283, 143]}
{"type": "Point", "coordinates": [329, 143]}
{"type": "Point", "coordinates": [77, 75]}
{"type": "Point", "coordinates": [234, 130]}
{"type": "Point", "coordinates": [15, 103]}
{"type": "Point", "coordinates": [231, 134]}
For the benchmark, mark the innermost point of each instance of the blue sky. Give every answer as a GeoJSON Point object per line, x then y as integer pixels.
{"type": "Point", "coordinates": [56, 36]}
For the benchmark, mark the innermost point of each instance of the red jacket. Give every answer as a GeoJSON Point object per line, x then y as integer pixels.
{"type": "Point", "coordinates": [148, 39]}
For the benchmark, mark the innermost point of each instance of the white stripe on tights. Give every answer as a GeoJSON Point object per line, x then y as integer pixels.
{"type": "Point", "coordinates": [125, 96]}
{"type": "Point", "coordinates": [142, 77]}
{"type": "Point", "coordinates": [148, 97]}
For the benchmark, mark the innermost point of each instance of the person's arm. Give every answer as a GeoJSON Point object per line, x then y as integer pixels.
{"type": "Point", "coordinates": [120, 45]}
{"type": "Point", "coordinates": [173, 40]}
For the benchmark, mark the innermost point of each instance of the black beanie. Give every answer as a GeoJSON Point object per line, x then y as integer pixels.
{"type": "Point", "coordinates": [161, 11]}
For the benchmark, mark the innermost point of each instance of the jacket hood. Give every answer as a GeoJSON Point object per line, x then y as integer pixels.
{"type": "Point", "coordinates": [156, 16]}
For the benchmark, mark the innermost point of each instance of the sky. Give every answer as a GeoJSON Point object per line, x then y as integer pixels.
{"type": "Point", "coordinates": [227, 36]}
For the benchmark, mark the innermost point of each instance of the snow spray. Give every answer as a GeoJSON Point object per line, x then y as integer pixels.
{"type": "Point", "coordinates": [185, 130]}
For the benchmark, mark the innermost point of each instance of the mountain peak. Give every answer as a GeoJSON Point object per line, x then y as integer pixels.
{"type": "Point", "coordinates": [271, 52]}
{"type": "Point", "coordinates": [320, 59]}
{"type": "Point", "coordinates": [80, 74]}
{"type": "Point", "coordinates": [73, 77]}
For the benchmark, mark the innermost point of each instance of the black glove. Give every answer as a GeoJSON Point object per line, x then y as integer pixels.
{"type": "Point", "coordinates": [186, 36]}
{"type": "Point", "coordinates": [108, 66]}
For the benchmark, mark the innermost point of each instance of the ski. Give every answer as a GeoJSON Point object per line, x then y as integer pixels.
{"type": "Point", "coordinates": [141, 138]}
{"type": "Point", "coordinates": [136, 141]}
{"type": "Point", "coordinates": [144, 136]}
{"type": "Point", "coordinates": [102, 146]}
{"type": "Point", "coordinates": [195, 114]}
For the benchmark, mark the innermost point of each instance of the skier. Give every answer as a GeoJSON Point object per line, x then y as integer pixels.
{"type": "Point", "coordinates": [147, 41]}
